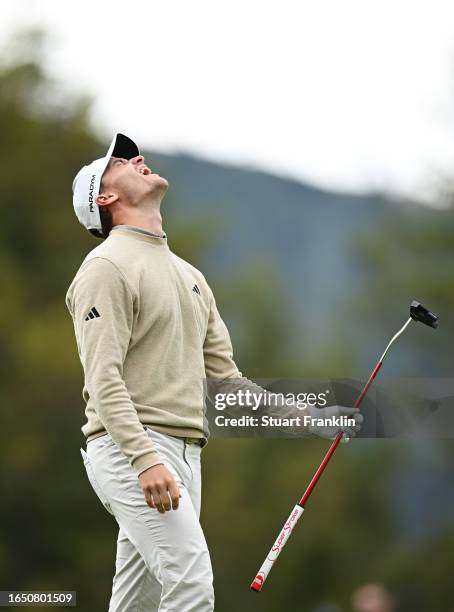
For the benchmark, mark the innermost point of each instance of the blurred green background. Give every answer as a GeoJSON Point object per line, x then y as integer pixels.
{"type": "Point", "coordinates": [309, 283]}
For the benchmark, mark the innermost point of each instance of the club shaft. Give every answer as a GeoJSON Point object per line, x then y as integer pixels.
{"type": "Point", "coordinates": [298, 510]}
{"type": "Point", "coordinates": [336, 441]}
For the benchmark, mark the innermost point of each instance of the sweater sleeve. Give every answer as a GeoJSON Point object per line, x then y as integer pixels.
{"type": "Point", "coordinates": [223, 376]}
{"type": "Point", "coordinates": [99, 288]}
{"type": "Point", "coordinates": [217, 348]}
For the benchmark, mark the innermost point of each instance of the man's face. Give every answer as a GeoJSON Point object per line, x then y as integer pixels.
{"type": "Point", "coordinates": [132, 180]}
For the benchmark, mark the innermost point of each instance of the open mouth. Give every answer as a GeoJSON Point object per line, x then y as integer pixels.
{"type": "Point", "coordinates": [144, 170]}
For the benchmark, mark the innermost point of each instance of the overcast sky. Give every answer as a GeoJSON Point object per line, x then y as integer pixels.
{"type": "Point", "coordinates": [346, 94]}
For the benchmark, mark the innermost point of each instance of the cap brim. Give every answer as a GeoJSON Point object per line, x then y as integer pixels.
{"type": "Point", "coordinates": [122, 146]}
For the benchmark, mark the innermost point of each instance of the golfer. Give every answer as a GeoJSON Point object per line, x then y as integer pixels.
{"type": "Point", "coordinates": [148, 333]}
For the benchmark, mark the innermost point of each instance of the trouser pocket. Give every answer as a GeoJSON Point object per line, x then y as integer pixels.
{"type": "Point", "coordinates": [185, 446]}
{"type": "Point", "coordinates": [172, 451]}
{"type": "Point", "coordinates": [94, 483]}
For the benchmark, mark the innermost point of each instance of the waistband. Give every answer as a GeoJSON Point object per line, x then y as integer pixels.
{"type": "Point", "coordinates": [195, 441]}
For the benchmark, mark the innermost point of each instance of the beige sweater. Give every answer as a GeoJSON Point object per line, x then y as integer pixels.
{"type": "Point", "coordinates": [148, 332]}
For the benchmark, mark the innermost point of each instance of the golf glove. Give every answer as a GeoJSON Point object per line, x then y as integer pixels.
{"type": "Point", "coordinates": [320, 430]}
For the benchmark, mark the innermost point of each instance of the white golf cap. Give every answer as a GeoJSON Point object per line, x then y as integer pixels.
{"type": "Point", "coordinates": [87, 182]}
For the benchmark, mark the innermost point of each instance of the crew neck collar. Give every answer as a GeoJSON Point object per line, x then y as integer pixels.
{"type": "Point", "coordinates": [140, 234]}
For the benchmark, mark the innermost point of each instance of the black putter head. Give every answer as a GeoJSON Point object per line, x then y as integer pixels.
{"type": "Point", "coordinates": [421, 314]}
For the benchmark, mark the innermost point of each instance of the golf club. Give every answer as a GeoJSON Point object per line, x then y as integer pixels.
{"type": "Point", "coordinates": [417, 313]}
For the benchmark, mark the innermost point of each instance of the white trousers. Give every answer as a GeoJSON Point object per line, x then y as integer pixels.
{"type": "Point", "coordinates": [162, 561]}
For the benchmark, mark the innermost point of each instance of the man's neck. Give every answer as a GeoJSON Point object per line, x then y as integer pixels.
{"type": "Point", "coordinates": [140, 230]}
{"type": "Point", "coordinates": [150, 221]}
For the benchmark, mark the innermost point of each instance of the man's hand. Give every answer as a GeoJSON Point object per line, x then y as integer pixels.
{"type": "Point", "coordinates": [160, 489]}
{"type": "Point", "coordinates": [329, 431]}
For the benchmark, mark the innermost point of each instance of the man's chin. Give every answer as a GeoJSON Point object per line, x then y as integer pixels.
{"type": "Point", "coordinates": [157, 185]}
{"type": "Point", "coordinates": [161, 183]}
{"type": "Point", "coordinates": [157, 180]}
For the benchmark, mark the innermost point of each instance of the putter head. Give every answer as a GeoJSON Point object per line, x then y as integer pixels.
{"type": "Point", "coordinates": [419, 313]}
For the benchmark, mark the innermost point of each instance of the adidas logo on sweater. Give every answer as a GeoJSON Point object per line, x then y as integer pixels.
{"type": "Point", "coordinates": [196, 289]}
{"type": "Point", "coordinates": [92, 314]}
